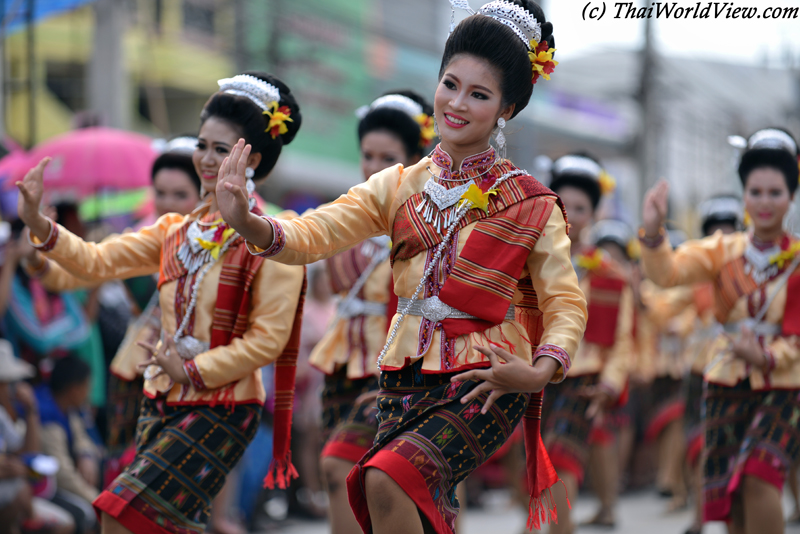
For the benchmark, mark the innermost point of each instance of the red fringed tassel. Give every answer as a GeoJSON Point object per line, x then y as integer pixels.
{"type": "Point", "coordinates": [280, 473]}
{"type": "Point", "coordinates": [541, 473]}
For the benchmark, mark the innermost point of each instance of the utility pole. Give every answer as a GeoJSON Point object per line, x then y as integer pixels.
{"type": "Point", "coordinates": [108, 84]}
{"type": "Point", "coordinates": [647, 142]}
{"type": "Point", "coordinates": [274, 41]}
{"type": "Point", "coordinates": [31, 60]}
{"type": "Point", "coordinates": [3, 19]}
{"type": "Point", "coordinates": [240, 45]}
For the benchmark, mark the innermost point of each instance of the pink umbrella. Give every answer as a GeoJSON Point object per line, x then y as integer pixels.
{"type": "Point", "coordinates": [90, 160]}
{"type": "Point", "coordinates": [106, 171]}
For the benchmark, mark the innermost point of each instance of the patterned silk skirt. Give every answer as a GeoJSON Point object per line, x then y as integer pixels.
{"type": "Point", "coordinates": [183, 455]}
{"type": "Point", "coordinates": [428, 441]}
{"type": "Point", "coordinates": [122, 412]}
{"type": "Point", "coordinates": [348, 429]}
{"type": "Point", "coordinates": [667, 404]}
{"type": "Point", "coordinates": [566, 428]}
{"type": "Point", "coordinates": [692, 419]}
{"type": "Point", "coordinates": [748, 432]}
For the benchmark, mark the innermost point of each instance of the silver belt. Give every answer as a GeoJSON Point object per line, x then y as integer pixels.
{"type": "Point", "coordinates": [761, 328]}
{"type": "Point", "coordinates": [354, 307]}
{"type": "Point", "coordinates": [435, 310]}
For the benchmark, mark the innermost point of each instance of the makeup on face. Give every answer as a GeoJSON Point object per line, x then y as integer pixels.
{"type": "Point", "coordinates": [766, 197]}
{"type": "Point", "coordinates": [174, 192]}
{"type": "Point", "coordinates": [467, 104]}
{"type": "Point", "coordinates": [381, 149]}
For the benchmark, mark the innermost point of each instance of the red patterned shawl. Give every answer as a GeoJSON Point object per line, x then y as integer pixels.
{"type": "Point", "coordinates": [230, 320]}
{"type": "Point", "coordinates": [733, 282]}
{"type": "Point", "coordinates": [482, 283]}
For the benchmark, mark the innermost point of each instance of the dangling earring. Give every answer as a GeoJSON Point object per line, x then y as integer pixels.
{"type": "Point", "coordinates": [500, 138]}
{"type": "Point", "coordinates": [251, 185]}
{"type": "Point", "coordinates": [435, 127]}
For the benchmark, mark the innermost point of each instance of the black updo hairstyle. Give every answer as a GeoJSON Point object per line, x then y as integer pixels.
{"type": "Point", "coordinates": [588, 185]}
{"type": "Point", "coordinates": [721, 218]}
{"type": "Point", "coordinates": [775, 158]}
{"type": "Point", "coordinates": [177, 161]}
{"type": "Point", "coordinates": [488, 39]}
{"type": "Point", "coordinates": [251, 123]}
{"type": "Point", "coordinates": [398, 123]}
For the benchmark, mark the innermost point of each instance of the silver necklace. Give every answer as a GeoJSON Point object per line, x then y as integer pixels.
{"type": "Point", "coordinates": [758, 263]}
{"type": "Point", "coordinates": [438, 202]}
{"type": "Point", "coordinates": [459, 214]}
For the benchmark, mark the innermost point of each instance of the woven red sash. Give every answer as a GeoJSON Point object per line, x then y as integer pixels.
{"type": "Point", "coordinates": [487, 271]}
{"type": "Point", "coordinates": [482, 283]}
{"type": "Point", "coordinates": [791, 313]}
{"type": "Point", "coordinates": [230, 321]}
{"type": "Point", "coordinates": [605, 293]}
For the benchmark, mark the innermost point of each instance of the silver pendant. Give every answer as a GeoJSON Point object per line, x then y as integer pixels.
{"type": "Point", "coordinates": [438, 203]}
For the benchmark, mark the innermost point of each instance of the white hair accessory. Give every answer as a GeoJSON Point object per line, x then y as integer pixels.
{"type": "Point", "coordinates": [181, 145]}
{"type": "Point", "coordinates": [261, 93]}
{"type": "Point", "coordinates": [399, 102]}
{"type": "Point", "coordinates": [577, 165]}
{"type": "Point", "coordinates": [772, 138]}
{"type": "Point", "coordinates": [721, 208]}
{"type": "Point", "coordinates": [611, 230]}
{"type": "Point", "coordinates": [515, 17]}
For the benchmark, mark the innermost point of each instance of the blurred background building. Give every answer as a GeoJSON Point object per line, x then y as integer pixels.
{"type": "Point", "coordinates": [149, 65]}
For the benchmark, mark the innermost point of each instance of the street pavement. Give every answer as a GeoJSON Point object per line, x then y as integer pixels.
{"type": "Point", "coordinates": [638, 513]}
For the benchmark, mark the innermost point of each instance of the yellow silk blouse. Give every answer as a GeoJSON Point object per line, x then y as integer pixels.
{"type": "Point", "coordinates": [274, 293]}
{"type": "Point", "coordinates": [369, 209]}
{"type": "Point", "coordinates": [356, 342]}
{"type": "Point", "coordinates": [613, 363]}
{"type": "Point", "coordinates": [702, 261]}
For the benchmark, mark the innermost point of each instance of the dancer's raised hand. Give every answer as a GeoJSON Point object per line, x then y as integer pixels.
{"type": "Point", "coordinates": [232, 186]}
{"type": "Point", "coordinates": [233, 201]}
{"type": "Point", "coordinates": [654, 208]}
{"type": "Point", "coordinates": [31, 189]}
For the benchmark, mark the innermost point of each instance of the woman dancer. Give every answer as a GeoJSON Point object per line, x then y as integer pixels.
{"type": "Point", "coordinates": [751, 399]}
{"type": "Point", "coordinates": [225, 314]}
{"type": "Point", "coordinates": [598, 378]}
{"type": "Point", "coordinates": [395, 128]}
{"type": "Point", "coordinates": [721, 213]}
{"type": "Point", "coordinates": [472, 236]}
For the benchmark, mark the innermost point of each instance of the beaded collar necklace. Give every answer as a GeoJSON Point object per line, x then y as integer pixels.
{"type": "Point", "coordinates": [459, 214]}
{"type": "Point", "coordinates": [437, 206]}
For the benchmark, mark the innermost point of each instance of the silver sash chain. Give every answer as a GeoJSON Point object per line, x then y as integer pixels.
{"type": "Point", "coordinates": [377, 258]}
{"type": "Point", "coordinates": [460, 213]}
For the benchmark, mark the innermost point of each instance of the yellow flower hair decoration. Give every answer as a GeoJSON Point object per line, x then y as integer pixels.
{"type": "Point", "coordinates": [426, 130]}
{"type": "Point", "coordinates": [278, 118]}
{"type": "Point", "coordinates": [477, 198]}
{"type": "Point", "coordinates": [782, 258]}
{"type": "Point", "coordinates": [590, 262]}
{"type": "Point", "coordinates": [541, 60]}
{"type": "Point", "coordinates": [607, 183]}
{"type": "Point", "coordinates": [634, 249]}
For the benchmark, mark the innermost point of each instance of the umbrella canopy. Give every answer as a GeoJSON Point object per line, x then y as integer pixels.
{"type": "Point", "coordinates": [90, 160]}
{"type": "Point", "coordinates": [105, 171]}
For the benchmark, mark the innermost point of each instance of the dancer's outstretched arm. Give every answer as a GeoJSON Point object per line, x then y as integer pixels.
{"type": "Point", "coordinates": [365, 211]}
{"type": "Point", "coordinates": [127, 255]}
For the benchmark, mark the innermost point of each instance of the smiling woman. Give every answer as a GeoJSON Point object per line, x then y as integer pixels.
{"type": "Point", "coordinates": [753, 378]}
{"type": "Point", "coordinates": [481, 266]}
{"type": "Point", "coordinates": [225, 315]}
